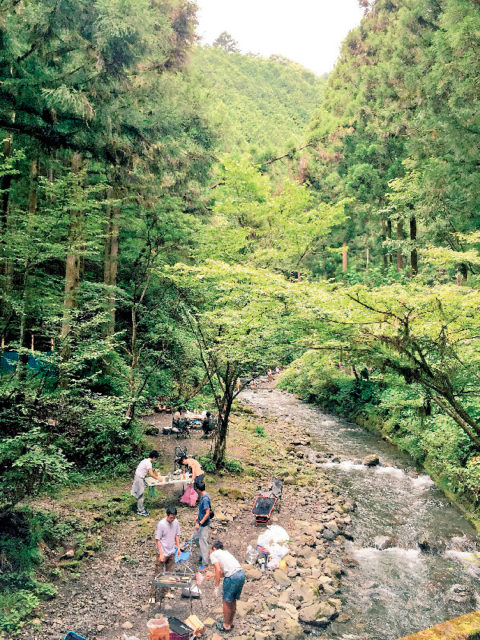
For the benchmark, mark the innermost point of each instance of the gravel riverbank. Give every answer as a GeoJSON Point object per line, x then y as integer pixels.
{"type": "Point", "coordinates": [108, 594]}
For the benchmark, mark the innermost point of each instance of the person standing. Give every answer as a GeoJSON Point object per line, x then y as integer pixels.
{"type": "Point", "coordinates": [226, 565]}
{"type": "Point", "coordinates": [202, 524]}
{"type": "Point", "coordinates": [138, 487]}
{"type": "Point", "coordinates": [167, 536]}
{"type": "Point", "coordinates": [207, 424]}
{"type": "Point", "coordinates": [198, 475]}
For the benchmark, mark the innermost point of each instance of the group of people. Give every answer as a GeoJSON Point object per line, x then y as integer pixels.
{"type": "Point", "coordinates": [182, 419]}
{"type": "Point", "coordinates": [167, 541]}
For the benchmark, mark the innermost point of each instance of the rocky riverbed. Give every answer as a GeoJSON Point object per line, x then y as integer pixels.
{"type": "Point", "coordinates": [107, 595]}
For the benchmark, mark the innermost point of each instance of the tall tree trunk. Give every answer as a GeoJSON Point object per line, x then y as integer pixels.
{"type": "Point", "coordinates": [5, 186]}
{"type": "Point", "coordinates": [344, 258]}
{"type": "Point", "coordinates": [384, 250]}
{"type": "Point", "coordinates": [400, 240]}
{"type": "Point", "coordinates": [389, 236]}
{"type": "Point", "coordinates": [110, 266]}
{"type": "Point", "coordinates": [72, 264]}
{"type": "Point", "coordinates": [367, 258]}
{"type": "Point", "coordinates": [23, 340]}
{"type": "Point", "coordinates": [220, 449]}
{"type": "Point", "coordinates": [413, 240]}
{"type": "Point", "coordinates": [134, 360]}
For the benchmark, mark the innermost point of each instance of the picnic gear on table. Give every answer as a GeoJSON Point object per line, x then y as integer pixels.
{"type": "Point", "coordinates": [190, 497]}
{"type": "Point", "coordinates": [171, 478]}
{"type": "Point", "coordinates": [266, 502]}
{"type": "Point", "coordinates": [158, 629]}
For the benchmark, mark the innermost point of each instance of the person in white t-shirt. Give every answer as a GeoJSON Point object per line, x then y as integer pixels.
{"type": "Point", "coordinates": [226, 565]}
{"type": "Point", "coordinates": [167, 537]}
{"type": "Point", "coordinates": [138, 487]}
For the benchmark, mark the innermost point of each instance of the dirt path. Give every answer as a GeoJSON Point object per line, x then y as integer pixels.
{"type": "Point", "coordinates": [109, 595]}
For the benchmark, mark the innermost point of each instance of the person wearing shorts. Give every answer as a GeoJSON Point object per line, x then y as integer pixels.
{"type": "Point", "coordinates": [226, 565]}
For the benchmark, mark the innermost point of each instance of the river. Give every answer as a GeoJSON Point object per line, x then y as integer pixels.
{"type": "Point", "coordinates": [396, 591]}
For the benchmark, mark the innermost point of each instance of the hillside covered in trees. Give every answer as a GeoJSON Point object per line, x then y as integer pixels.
{"type": "Point", "coordinates": [255, 104]}
{"type": "Point", "coordinates": [151, 251]}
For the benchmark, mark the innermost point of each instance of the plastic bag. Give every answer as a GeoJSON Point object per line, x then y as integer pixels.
{"type": "Point", "coordinates": [199, 578]}
{"type": "Point", "coordinates": [189, 497]}
{"type": "Point", "coordinates": [275, 540]}
{"type": "Point", "coordinates": [273, 534]}
{"type": "Point", "coordinates": [251, 555]}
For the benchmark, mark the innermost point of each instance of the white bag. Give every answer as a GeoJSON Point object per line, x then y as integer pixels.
{"type": "Point", "coordinates": [273, 534]}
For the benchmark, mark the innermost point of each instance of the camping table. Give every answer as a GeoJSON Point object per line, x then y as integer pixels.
{"type": "Point", "coordinates": [153, 482]}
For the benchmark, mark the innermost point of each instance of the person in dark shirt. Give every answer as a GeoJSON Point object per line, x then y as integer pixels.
{"type": "Point", "coordinates": [207, 424]}
{"type": "Point", "coordinates": [202, 524]}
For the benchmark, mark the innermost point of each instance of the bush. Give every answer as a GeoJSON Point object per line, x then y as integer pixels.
{"type": "Point", "coordinates": [232, 465]}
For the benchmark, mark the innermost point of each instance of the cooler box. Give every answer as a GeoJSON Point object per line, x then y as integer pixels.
{"type": "Point", "coordinates": [179, 630]}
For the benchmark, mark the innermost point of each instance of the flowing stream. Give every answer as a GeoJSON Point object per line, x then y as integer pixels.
{"type": "Point", "coordinates": [396, 591]}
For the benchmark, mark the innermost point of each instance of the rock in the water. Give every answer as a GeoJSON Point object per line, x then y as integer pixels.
{"type": "Point", "coordinates": [459, 593]}
{"type": "Point", "coordinates": [343, 617]}
{"type": "Point", "coordinates": [371, 461]}
{"type": "Point", "coordinates": [384, 542]}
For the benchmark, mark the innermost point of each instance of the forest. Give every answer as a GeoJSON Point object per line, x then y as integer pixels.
{"type": "Point", "coordinates": [175, 218]}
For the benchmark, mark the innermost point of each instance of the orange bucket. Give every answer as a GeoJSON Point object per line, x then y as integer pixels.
{"type": "Point", "coordinates": [158, 629]}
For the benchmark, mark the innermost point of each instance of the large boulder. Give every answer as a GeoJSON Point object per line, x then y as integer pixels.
{"type": "Point", "coordinates": [371, 461]}
{"type": "Point", "coordinates": [318, 615]}
{"type": "Point", "coordinates": [384, 542]}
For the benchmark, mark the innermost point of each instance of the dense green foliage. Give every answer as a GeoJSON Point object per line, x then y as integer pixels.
{"type": "Point", "coordinates": [255, 104]}
{"type": "Point", "coordinates": [169, 231]}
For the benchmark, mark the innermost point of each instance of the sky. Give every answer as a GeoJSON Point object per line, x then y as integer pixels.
{"type": "Point", "coordinates": [307, 31]}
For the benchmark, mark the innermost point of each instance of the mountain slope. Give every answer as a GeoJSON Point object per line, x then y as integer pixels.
{"type": "Point", "coordinates": [256, 103]}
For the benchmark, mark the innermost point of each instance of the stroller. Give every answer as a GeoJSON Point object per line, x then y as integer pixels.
{"type": "Point", "coordinates": [180, 454]}
{"type": "Point", "coordinates": [182, 429]}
